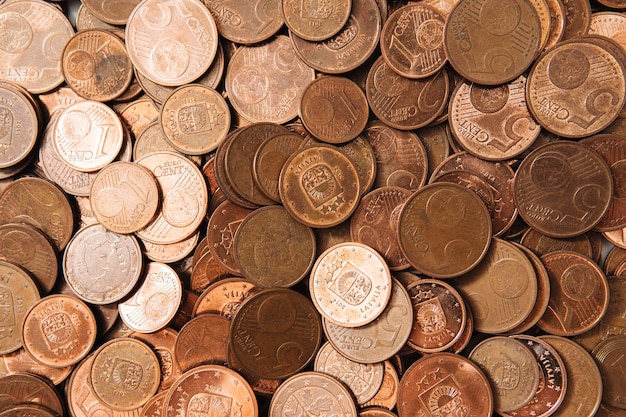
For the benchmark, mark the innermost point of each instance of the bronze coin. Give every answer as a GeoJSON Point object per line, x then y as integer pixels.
{"type": "Point", "coordinates": [202, 340]}
{"type": "Point", "coordinates": [577, 18]}
{"type": "Point", "coordinates": [163, 343]}
{"type": "Point", "coordinates": [152, 139]}
{"type": "Point", "coordinates": [319, 186]}
{"type": "Point", "coordinates": [491, 42]}
{"type": "Point", "coordinates": [85, 19]}
{"type": "Point", "coordinates": [138, 114]}
{"type": "Point", "coordinates": [578, 294]}
{"type": "Point", "coordinates": [376, 412]}
{"type": "Point", "coordinates": [334, 109]}
{"type": "Point", "coordinates": [404, 103]}
{"type": "Point", "coordinates": [100, 266]}
{"type": "Point", "coordinates": [208, 388]}
{"type": "Point", "coordinates": [613, 259]}
{"type": "Point", "coordinates": [411, 41]}
{"type": "Point", "coordinates": [41, 204]}
{"type": "Point", "coordinates": [113, 12]}
{"type": "Point", "coordinates": [96, 65]}
{"type": "Point", "coordinates": [541, 244]}
{"type": "Point", "coordinates": [543, 13]}
{"type": "Point", "coordinates": [435, 141]}
{"type": "Point", "coordinates": [30, 410]}
{"type": "Point", "coordinates": [275, 333]}
{"type": "Point", "coordinates": [315, 22]}
{"type": "Point", "coordinates": [27, 247]}
{"type": "Point", "coordinates": [557, 22]}
{"type": "Point", "coordinates": [25, 388]}
{"type": "Point", "coordinates": [361, 154]}
{"type": "Point", "coordinates": [125, 374]}
{"type": "Point", "coordinates": [21, 361]}
{"type": "Point", "coordinates": [224, 297]}
{"type": "Point", "coordinates": [444, 381]}
{"type": "Point", "coordinates": [59, 330]}
{"type": "Point", "coordinates": [205, 272]}
{"type": "Point", "coordinates": [563, 189]}
{"type": "Point", "coordinates": [609, 355]}
{"type": "Point", "coordinates": [445, 230]}
{"type": "Point", "coordinates": [606, 410]}
{"type": "Point", "coordinates": [387, 394]}
{"type": "Point", "coordinates": [154, 406]}
{"type": "Point", "coordinates": [19, 126]}
{"type": "Point", "coordinates": [171, 252]}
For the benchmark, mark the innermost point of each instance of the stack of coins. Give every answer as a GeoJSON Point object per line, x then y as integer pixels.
{"type": "Point", "coordinates": [312, 208]}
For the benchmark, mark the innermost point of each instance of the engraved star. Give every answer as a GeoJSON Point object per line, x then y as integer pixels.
{"type": "Point", "coordinates": [533, 413]}
{"type": "Point", "coordinates": [557, 369]}
{"type": "Point", "coordinates": [179, 389]}
{"type": "Point", "coordinates": [549, 404]}
{"type": "Point", "coordinates": [196, 376]}
{"type": "Point", "coordinates": [557, 388]}
{"type": "Point", "coordinates": [530, 343]}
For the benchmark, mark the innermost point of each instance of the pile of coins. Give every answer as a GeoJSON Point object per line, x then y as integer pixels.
{"type": "Point", "coordinates": [312, 208]}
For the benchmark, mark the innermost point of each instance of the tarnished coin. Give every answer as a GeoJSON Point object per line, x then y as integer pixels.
{"type": "Point", "coordinates": [382, 338]}
{"type": "Point", "coordinates": [609, 24]}
{"type": "Point", "coordinates": [298, 394]}
{"type": "Point", "coordinates": [20, 123]}
{"type": "Point", "coordinates": [59, 330]}
{"type": "Point", "coordinates": [576, 89]}
{"type": "Point", "coordinates": [88, 135]}
{"type": "Point", "coordinates": [224, 297]}
{"type": "Point", "coordinates": [412, 40]}
{"type": "Point", "coordinates": [363, 379]}
{"type": "Point", "coordinates": [125, 373]}
{"type": "Point", "coordinates": [541, 244]}
{"type": "Point", "coordinates": [34, 35]}
{"type": "Point", "coordinates": [96, 65]}
{"type": "Point", "coordinates": [319, 186]}
{"type": "Point", "coordinates": [350, 284]}
{"type": "Point", "coordinates": [101, 266]}
{"type": "Point", "coordinates": [492, 123]}
{"type": "Point", "coordinates": [609, 355]}
{"type": "Point", "coordinates": [211, 387]}
{"type": "Point", "coordinates": [185, 198]}
{"type": "Point", "coordinates": [246, 22]}
{"type": "Point", "coordinates": [124, 197]}
{"type": "Point", "coordinates": [41, 204]}
{"type": "Point", "coordinates": [223, 225]}
{"type": "Point", "coordinates": [202, 340]}
{"type": "Point", "coordinates": [163, 343]}
{"type": "Point", "coordinates": [444, 381]}
{"type": "Point", "coordinates": [195, 119]}
{"type": "Point", "coordinates": [577, 18]}
{"type": "Point", "coordinates": [315, 21]}
{"type": "Point", "coordinates": [439, 315]}
{"type": "Point", "coordinates": [563, 189]}
{"type": "Point", "coordinates": [334, 109]}
{"type": "Point", "coordinates": [171, 43]}
{"type": "Point", "coordinates": [584, 381]}
{"type": "Point", "coordinates": [154, 304]}
{"type": "Point", "coordinates": [24, 246]}
{"type": "Point", "coordinates": [491, 42]}
{"type": "Point", "coordinates": [29, 389]}
{"type": "Point", "coordinates": [275, 333]}
{"type": "Point", "coordinates": [265, 82]}
{"type": "Point", "coordinates": [578, 294]}
{"type": "Point", "coordinates": [445, 230]}
{"type": "Point", "coordinates": [511, 369]}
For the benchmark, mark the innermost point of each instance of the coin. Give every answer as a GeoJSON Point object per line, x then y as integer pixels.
{"type": "Point", "coordinates": [315, 22]}
{"type": "Point", "coordinates": [21, 361]}
{"type": "Point", "coordinates": [25, 388]}
{"type": "Point", "coordinates": [541, 244]}
{"type": "Point", "coordinates": [609, 355]}
{"type": "Point", "coordinates": [577, 18]}
{"type": "Point", "coordinates": [224, 297]}
{"type": "Point", "coordinates": [19, 125]}
{"type": "Point", "coordinates": [170, 252]}
{"type": "Point", "coordinates": [246, 22]}
{"type": "Point", "coordinates": [202, 340]}
{"type": "Point", "coordinates": [154, 406]}
{"type": "Point", "coordinates": [387, 394]}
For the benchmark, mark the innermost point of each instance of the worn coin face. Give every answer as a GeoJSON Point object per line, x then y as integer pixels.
{"type": "Point", "coordinates": [315, 21]}
{"type": "Point", "coordinates": [19, 126]}
{"type": "Point", "coordinates": [246, 22]}
{"type": "Point", "coordinates": [224, 297]}
{"type": "Point", "coordinates": [202, 340]}
{"type": "Point", "coordinates": [609, 354]}
{"type": "Point", "coordinates": [29, 390]}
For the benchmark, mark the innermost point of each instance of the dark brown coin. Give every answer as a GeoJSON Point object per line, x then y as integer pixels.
{"type": "Point", "coordinates": [577, 18]}
{"type": "Point", "coordinates": [440, 382]}
{"type": "Point", "coordinates": [405, 103]}
{"type": "Point", "coordinates": [315, 21]}
{"type": "Point", "coordinates": [541, 244]}
{"type": "Point", "coordinates": [578, 294]}
{"type": "Point", "coordinates": [59, 330]}
{"type": "Point", "coordinates": [491, 42]}
{"type": "Point", "coordinates": [41, 204]}
{"type": "Point", "coordinates": [445, 230]}
{"type": "Point", "coordinates": [412, 41]}
{"type": "Point", "coordinates": [614, 258]}
{"type": "Point", "coordinates": [125, 374]}
{"type": "Point", "coordinates": [96, 65]}
{"type": "Point", "coordinates": [163, 343]}
{"type": "Point", "coordinates": [563, 189]}
{"type": "Point", "coordinates": [203, 340]}
{"type": "Point", "coordinates": [609, 355]}
{"type": "Point", "coordinates": [334, 109]}
{"type": "Point", "coordinates": [246, 22]}
{"type": "Point", "coordinates": [273, 249]}
{"type": "Point", "coordinates": [22, 388]}
{"type": "Point", "coordinates": [275, 333]}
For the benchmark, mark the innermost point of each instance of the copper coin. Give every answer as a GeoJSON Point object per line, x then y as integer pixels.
{"type": "Point", "coordinates": [210, 388]}
{"type": "Point", "coordinates": [224, 297]}
{"type": "Point", "coordinates": [435, 141]}
{"type": "Point", "coordinates": [101, 266]}
{"type": "Point", "coordinates": [154, 304]}
{"type": "Point", "coordinates": [30, 410]}
{"type": "Point", "coordinates": [19, 125]}
{"type": "Point", "coordinates": [265, 82]}
{"type": "Point", "coordinates": [275, 333]}
{"type": "Point", "coordinates": [584, 381]}
{"type": "Point", "coordinates": [125, 374]}
{"type": "Point", "coordinates": [578, 294]}
{"type": "Point", "coordinates": [185, 198]}
{"type": "Point", "coordinates": [349, 48]}
{"type": "Point", "coordinates": [609, 355]}
{"type": "Point", "coordinates": [511, 369]}
{"type": "Point", "coordinates": [492, 123]}
{"type": "Point", "coordinates": [319, 186]}
{"type": "Point", "coordinates": [195, 119]}
{"type": "Point", "coordinates": [25, 388]}
{"type": "Point", "coordinates": [162, 343]}
{"type": "Point", "coordinates": [541, 244]}
{"type": "Point", "coordinates": [557, 22]}
{"type": "Point", "coordinates": [563, 189]}
{"type": "Point", "coordinates": [114, 12]}
{"type": "Point", "coordinates": [610, 25]}
{"type": "Point", "coordinates": [246, 22]}
{"type": "Point", "coordinates": [170, 252]}
{"type": "Point", "coordinates": [41, 204]}
{"type": "Point", "coordinates": [59, 330]}
{"type": "Point", "coordinates": [312, 393]}
{"type": "Point", "coordinates": [543, 13]}
{"type": "Point", "coordinates": [375, 223]}
{"type": "Point", "coordinates": [401, 158]}
{"type": "Point", "coordinates": [606, 410]}
{"type": "Point", "coordinates": [571, 96]}
{"type": "Point", "coordinates": [613, 259]}
{"type": "Point", "coordinates": [376, 412]}
{"type": "Point", "coordinates": [30, 56]}
{"type": "Point", "coordinates": [86, 19]}
{"type": "Point", "coordinates": [444, 381]}
{"type": "Point", "coordinates": [223, 225]}
{"type": "Point", "coordinates": [445, 230]}
{"type": "Point", "coordinates": [387, 394]}
{"type": "Point", "coordinates": [152, 139]}
{"type": "Point", "coordinates": [350, 284]}
{"type": "Point", "coordinates": [412, 41]}
{"type": "Point", "coordinates": [154, 406]}
{"type": "Point", "coordinates": [315, 22]}
{"type": "Point", "coordinates": [439, 315]}
{"type": "Point", "coordinates": [404, 103]}
{"type": "Point", "coordinates": [362, 379]}
{"type": "Point", "coordinates": [138, 114]}
{"type": "Point", "coordinates": [361, 154]}
{"type": "Point", "coordinates": [21, 361]}
{"type": "Point", "coordinates": [490, 42]}
{"type": "Point", "coordinates": [334, 109]}
{"type": "Point", "coordinates": [96, 65]}
{"type": "Point", "coordinates": [577, 18]}
{"type": "Point", "coordinates": [27, 247]}
{"type": "Point", "coordinates": [202, 340]}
